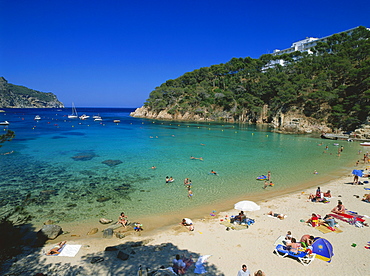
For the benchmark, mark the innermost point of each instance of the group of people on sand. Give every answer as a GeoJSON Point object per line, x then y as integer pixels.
{"type": "Point", "coordinates": [123, 219]}
{"type": "Point", "coordinates": [320, 196]}
{"type": "Point", "coordinates": [294, 246]}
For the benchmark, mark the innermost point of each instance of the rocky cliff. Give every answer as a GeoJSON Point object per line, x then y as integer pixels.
{"type": "Point", "coordinates": [15, 96]}
{"type": "Point", "coordinates": [289, 121]}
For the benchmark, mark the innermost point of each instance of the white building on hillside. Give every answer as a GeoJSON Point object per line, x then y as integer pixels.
{"type": "Point", "coordinates": [304, 45]}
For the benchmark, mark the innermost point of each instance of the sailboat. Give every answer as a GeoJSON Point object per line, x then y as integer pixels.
{"type": "Point", "coordinates": [74, 114]}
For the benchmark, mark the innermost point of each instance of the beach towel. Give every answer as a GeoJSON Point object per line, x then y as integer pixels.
{"type": "Point", "coordinates": [326, 229]}
{"type": "Point", "coordinates": [234, 226]}
{"type": "Point", "coordinates": [70, 250]}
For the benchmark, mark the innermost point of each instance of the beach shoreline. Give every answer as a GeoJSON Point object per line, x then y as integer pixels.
{"type": "Point", "coordinates": [229, 249]}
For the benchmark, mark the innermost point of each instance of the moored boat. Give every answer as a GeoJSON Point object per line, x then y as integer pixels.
{"type": "Point", "coordinates": [37, 117]}
{"type": "Point", "coordinates": [74, 114]}
{"type": "Point", "coordinates": [5, 123]}
{"type": "Point", "coordinates": [365, 144]}
{"type": "Point", "coordinates": [84, 117]}
{"type": "Point", "coordinates": [116, 121]}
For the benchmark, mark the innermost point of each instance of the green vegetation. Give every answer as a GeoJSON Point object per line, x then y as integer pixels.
{"type": "Point", "coordinates": [8, 136]}
{"type": "Point", "coordinates": [332, 84]}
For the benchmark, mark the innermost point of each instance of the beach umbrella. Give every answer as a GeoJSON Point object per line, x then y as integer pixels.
{"type": "Point", "coordinates": [323, 249]}
{"type": "Point", "coordinates": [246, 205]}
{"type": "Point", "coordinates": [357, 172]}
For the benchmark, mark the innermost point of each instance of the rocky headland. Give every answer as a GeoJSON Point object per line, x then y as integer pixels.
{"type": "Point", "coordinates": [15, 96]}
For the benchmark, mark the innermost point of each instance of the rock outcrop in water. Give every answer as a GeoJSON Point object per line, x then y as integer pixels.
{"type": "Point", "coordinates": [16, 96]}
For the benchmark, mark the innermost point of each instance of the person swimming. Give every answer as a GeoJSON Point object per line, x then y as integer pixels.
{"type": "Point", "coordinates": [213, 172]}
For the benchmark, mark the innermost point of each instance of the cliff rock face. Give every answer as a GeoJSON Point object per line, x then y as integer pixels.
{"type": "Point", "coordinates": [289, 121]}
{"type": "Point", "coordinates": [15, 96]}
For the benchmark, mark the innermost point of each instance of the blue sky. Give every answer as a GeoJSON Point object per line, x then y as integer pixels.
{"type": "Point", "coordinates": [114, 53]}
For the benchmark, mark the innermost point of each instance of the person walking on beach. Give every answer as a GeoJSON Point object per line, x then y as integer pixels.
{"type": "Point", "coordinates": [268, 175]}
{"type": "Point", "coordinates": [244, 271]}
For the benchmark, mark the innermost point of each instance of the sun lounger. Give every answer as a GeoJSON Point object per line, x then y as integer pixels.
{"type": "Point", "coordinates": [304, 257]}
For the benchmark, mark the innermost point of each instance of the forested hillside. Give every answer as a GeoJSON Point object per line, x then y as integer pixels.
{"type": "Point", "coordinates": [330, 86]}
{"type": "Point", "coordinates": [16, 96]}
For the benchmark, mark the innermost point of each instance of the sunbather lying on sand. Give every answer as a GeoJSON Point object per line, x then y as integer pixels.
{"type": "Point", "coordinates": [276, 215]}
{"type": "Point", "coordinates": [293, 246]}
{"type": "Point", "coordinates": [366, 198]}
{"type": "Point", "coordinates": [56, 249]}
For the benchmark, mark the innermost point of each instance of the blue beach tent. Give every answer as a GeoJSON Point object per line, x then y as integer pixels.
{"type": "Point", "coordinates": [323, 249]}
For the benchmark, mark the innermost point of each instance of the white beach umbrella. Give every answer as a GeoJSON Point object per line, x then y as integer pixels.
{"type": "Point", "coordinates": [246, 205]}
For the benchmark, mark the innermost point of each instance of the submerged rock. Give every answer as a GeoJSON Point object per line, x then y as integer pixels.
{"type": "Point", "coordinates": [105, 221]}
{"type": "Point", "coordinates": [93, 231]}
{"type": "Point", "coordinates": [103, 199]}
{"type": "Point", "coordinates": [84, 156]}
{"type": "Point", "coordinates": [112, 163]}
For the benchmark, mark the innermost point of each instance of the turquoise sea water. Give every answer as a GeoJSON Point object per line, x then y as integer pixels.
{"type": "Point", "coordinates": [58, 163]}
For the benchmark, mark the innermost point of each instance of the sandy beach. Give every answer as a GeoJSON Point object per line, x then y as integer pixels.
{"type": "Point", "coordinates": [228, 249]}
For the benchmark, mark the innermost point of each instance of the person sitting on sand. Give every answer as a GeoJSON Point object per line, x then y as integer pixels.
{"type": "Point", "coordinates": [138, 227]}
{"type": "Point", "coordinates": [339, 209]}
{"type": "Point", "coordinates": [293, 246]}
{"type": "Point", "coordinates": [329, 220]}
{"type": "Point", "coordinates": [188, 223]}
{"type": "Point", "coordinates": [327, 195]}
{"type": "Point", "coordinates": [213, 172]}
{"type": "Point", "coordinates": [366, 198]}
{"type": "Point", "coordinates": [56, 249]}
{"type": "Point", "coordinates": [307, 240]}
{"type": "Point", "coordinates": [178, 265]}
{"type": "Point", "coordinates": [240, 217]}
{"type": "Point", "coordinates": [276, 215]}
{"type": "Point", "coordinates": [122, 219]}
{"type": "Point", "coordinates": [314, 220]}
{"type": "Point", "coordinates": [259, 273]}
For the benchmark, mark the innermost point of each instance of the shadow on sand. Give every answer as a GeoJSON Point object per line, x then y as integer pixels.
{"type": "Point", "coordinates": [150, 257]}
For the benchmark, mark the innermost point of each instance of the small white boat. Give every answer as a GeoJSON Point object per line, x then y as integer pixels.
{"type": "Point", "coordinates": [5, 123]}
{"type": "Point", "coordinates": [84, 117]}
{"type": "Point", "coordinates": [365, 144]}
{"type": "Point", "coordinates": [97, 118]}
{"type": "Point", "coordinates": [74, 114]}
{"type": "Point", "coordinates": [37, 117]}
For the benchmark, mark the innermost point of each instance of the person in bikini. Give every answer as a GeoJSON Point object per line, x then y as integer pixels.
{"type": "Point", "coordinates": [122, 219]}
{"type": "Point", "coordinates": [56, 249]}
